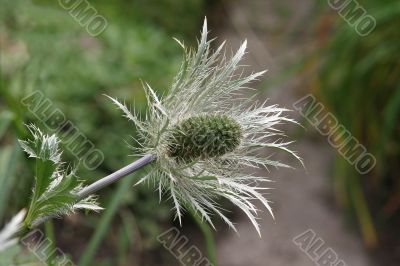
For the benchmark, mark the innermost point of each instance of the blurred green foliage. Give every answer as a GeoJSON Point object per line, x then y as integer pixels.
{"type": "Point", "coordinates": [359, 82]}
{"type": "Point", "coordinates": [43, 48]}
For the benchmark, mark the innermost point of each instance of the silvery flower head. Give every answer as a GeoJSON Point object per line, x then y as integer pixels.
{"type": "Point", "coordinates": [205, 135]}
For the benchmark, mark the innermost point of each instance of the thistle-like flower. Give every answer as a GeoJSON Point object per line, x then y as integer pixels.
{"type": "Point", "coordinates": [205, 135]}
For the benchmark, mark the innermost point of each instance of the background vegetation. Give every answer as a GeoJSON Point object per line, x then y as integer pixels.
{"type": "Point", "coordinates": [43, 48]}
{"type": "Point", "coordinates": [359, 81]}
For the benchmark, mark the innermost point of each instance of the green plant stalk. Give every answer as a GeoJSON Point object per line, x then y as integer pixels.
{"type": "Point", "coordinates": [208, 237]}
{"type": "Point", "coordinates": [49, 232]}
{"type": "Point", "coordinates": [363, 214]}
{"type": "Point", "coordinates": [109, 213]}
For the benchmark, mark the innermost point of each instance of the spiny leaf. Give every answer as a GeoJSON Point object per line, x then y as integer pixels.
{"type": "Point", "coordinates": [55, 188]}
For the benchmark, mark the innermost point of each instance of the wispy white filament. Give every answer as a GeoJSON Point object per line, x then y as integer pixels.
{"type": "Point", "coordinates": [7, 234]}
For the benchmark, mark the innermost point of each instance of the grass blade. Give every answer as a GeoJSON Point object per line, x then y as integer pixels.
{"type": "Point", "coordinates": [8, 162]}
{"type": "Point", "coordinates": [105, 221]}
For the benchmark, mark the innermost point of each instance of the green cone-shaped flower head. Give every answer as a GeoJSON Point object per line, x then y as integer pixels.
{"type": "Point", "coordinates": [204, 136]}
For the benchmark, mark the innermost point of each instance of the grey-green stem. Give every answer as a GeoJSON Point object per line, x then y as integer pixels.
{"type": "Point", "coordinates": [105, 181]}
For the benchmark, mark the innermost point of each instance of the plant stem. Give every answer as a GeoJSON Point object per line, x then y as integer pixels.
{"type": "Point", "coordinates": [51, 248]}
{"type": "Point", "coordinates": [105, 181]}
